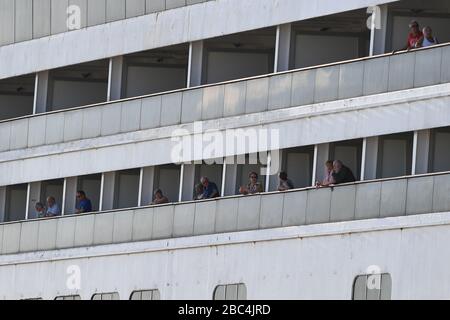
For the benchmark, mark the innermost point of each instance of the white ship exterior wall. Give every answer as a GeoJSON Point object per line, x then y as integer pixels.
{"type": "Point", "coordinates": [402, 111]}
{"type": "Point", "coordinates": [181, 25]}
{"type": "Point", "coordinates": [308, 262]}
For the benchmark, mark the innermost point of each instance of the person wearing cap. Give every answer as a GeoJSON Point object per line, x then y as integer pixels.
{"type": "Point", "coordinates": [414, 36]}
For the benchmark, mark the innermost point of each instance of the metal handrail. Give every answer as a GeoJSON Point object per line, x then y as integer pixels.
{"type": "Point", "coordinates": [224, 83]}
{"type": "Point", "coordinates": [96, 25]}
{"type": "Point", "coordinates": [175, 204]}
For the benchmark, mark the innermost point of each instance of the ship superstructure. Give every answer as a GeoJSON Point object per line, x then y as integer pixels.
{"type": "Point", "coordinates": [124, 98]}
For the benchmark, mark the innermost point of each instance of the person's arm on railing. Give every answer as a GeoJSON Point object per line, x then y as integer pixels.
{"type": "Point", "coordinates": [419, 43]}
{"type": "Point", "coordinates": [406, 47]}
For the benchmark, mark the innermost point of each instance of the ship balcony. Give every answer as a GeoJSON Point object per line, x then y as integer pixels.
{"type": "Point", "coordinates": [81, 64]}
{"type": "Point", "coordinates": [396, 103]}
{"type": "Point", "coordinates": [309, 88]}
{"type": "Point", "coordinates": [40, 19]}
{"type": "Point", "coordinates": [385, 198]}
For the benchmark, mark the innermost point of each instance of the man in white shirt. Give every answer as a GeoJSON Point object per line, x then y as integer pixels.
{"type": "Point", "coordinates": [53, 209]}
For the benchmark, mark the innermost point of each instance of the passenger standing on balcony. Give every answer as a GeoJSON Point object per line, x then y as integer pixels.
{"type": "Point", "coordinates": [198, 191]}
{"type": "Point", "coordinates": [328, 180]}
{"type": "Point", "coordinates": [414, 36]}
{"type": "Point", "coordinates": [159, 197]}
{"type": "Point", "coordinates": [40, 210]}
{"type": "Point", "coordinates": [253, 186]}
{"type": "Point", "coordinates": [210, 189]}
{"type": "Point", "coordinates": [341, 173]}
{"type": "Point", "coordinates": [84, 205]}
{"type": "Point", "coordinates": [53, 209]}
{"type": "Point", "coordinates": [428, 39]}
{"type": "Point", "coordinates": [284, 183]}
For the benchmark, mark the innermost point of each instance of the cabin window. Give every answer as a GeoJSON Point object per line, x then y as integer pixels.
{"type": "Point", "coordinates": [73, 297]}
{"type": "Point", "coordinates": [106, 296]}
{"type": "Point", "coordinates": [230, 292]}
{"type": "Point", "coordinates": [372, 287]}
{"type": "Point", "coordinates": [145, 295]}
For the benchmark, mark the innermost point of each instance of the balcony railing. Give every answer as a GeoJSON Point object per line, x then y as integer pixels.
{"type": "Point", "coordinates": [363, 200]}
{"type": "Point", "coordinates": [348, 79]}
{"type": "Point", "coordinates": [48, 17]}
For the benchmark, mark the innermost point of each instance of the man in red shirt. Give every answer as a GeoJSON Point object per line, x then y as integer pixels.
{"type": "Point", "coordinates": [414, 36]}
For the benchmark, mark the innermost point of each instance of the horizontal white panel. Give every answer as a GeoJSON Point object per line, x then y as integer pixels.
{"type": "Point", "coordinates": [382, 114]}
{"type": "Point", "coordinates": [163, 29]}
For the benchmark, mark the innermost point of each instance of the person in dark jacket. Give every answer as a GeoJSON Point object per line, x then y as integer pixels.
{"type": "Point", "coordinates": [341, 173]}
{"type": "Point", "coordinates": [210, 189]}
